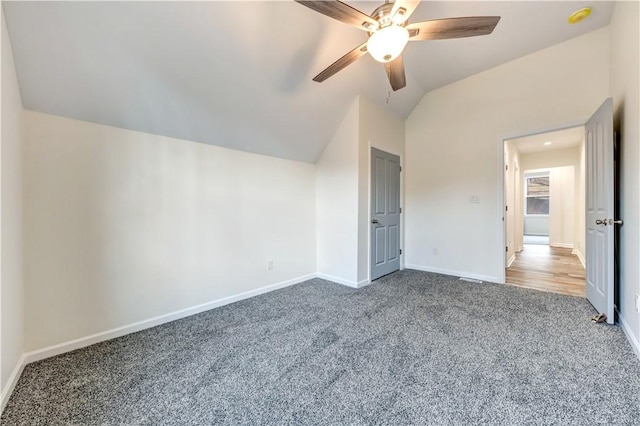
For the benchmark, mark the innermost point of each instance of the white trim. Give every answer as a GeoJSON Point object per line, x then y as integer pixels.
{"type": "Point", "coordinates": [502, 232]}
{"type": "Point", "coordinates": [470, 280]}
{"type": "Point", "coordinates": [511, 260]}
{"type": "Point", "coordinates": [534, 173]}
{"type": "Point", "coordinates": [82, 342]}
{"type": "Point", "coordinates": [561, 245]}
{"type": "Point", "coordinates": [578, 253]}
{"type": "Point", "coordinates": [363, 283]}
{"type": "Point", "coordinates": [338, 280]}
{"type": "Point", "coordinates": [11, 384]}
{"type": "Point", "coordinates": [152, 322]}
{"type": "Point", "coordinates": [635, 344]}
{"type": "Point", "coordinates": [458, 274]}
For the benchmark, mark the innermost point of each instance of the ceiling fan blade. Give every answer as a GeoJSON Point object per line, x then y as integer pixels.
{"type": "Point", "coordinates": [408, 5]}
{"type": "Point", "coordinates": [440, 29]}
{"type": "Point", "coordinates": [395, 72]}
{"type": "Point", "coordinates": [342, 63]}
{"type": "Point", "coordinates": [342, 12]}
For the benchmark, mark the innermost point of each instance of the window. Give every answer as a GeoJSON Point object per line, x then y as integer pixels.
{"type": "Point", "coordinates": [537, 194]}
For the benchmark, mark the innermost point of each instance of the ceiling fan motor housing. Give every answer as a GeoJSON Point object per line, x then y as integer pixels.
{"type": "Point", "coordinates": [382, 14]}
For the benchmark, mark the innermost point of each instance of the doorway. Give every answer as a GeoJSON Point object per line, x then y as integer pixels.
{"type": "Point", "coordinates": [544, 211]}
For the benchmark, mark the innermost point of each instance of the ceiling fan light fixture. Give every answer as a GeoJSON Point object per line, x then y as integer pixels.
{"type": "Point", "coordinates": [387, 43]}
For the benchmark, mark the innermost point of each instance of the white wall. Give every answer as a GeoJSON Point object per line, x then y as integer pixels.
{"type": "Point", "coordinates": [343, 188]}
{"type": "Point", "coordinates": [536, 225]}
{"type": "Point", "coordinates": [451, 149]}
{"type": "Point", "coordinates": [337, 202]}
{"type": "Point", "coordinates": [123, 226]}
{"type": "Point", "coordinates": [580, 226]}
{"type": "Point", "coordinates": [382, 130]}
{"type": "Point", "coordinates": [625, 89]}
{"type": "Point", "coordinates": [11, 283]}
{"type": "Point", "coordinates": [562, 210]}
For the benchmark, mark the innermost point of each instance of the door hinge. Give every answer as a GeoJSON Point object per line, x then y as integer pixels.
{"type": "Point", "coordinates": [400, 209]}
{"type": "Point", "coordinates": [506, 249]}
{"type": "Point", "coordinates": [506, 208]}
{"type": "Point", "coordinates": [400, 168]}
{"type": "Point", "coordinates": [506, 167]}
{"type": "Point", "coordinates": [400, 251]}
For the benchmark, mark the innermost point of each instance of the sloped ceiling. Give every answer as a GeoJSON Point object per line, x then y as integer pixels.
{"type": "Point", "coordinates": [238, 74]}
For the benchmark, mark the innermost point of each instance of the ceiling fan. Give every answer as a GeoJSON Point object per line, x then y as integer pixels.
{"type": "Point", "coordinates": [389, 31]}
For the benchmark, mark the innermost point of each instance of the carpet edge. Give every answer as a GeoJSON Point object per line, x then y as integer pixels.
{"type": "Point", "coordinates": [81, 342]}
{"type": "Point", "coordinates": [457, 274]}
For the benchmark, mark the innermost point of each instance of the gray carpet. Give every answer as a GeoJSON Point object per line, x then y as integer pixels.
{"type": "Point", "coordinates": [413, 348]}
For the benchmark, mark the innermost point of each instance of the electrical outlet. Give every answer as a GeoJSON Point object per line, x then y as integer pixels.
{"type": "Point", "coordinates": [269, 265]}
{"type": "Point", "coordinates": [474, 199]}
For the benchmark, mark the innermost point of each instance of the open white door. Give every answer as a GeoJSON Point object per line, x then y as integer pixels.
{"type": "Point", "coordinates": [600, 209]}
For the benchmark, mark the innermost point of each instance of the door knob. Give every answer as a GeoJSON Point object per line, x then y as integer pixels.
{"type": "Point", "coordinates": [374, 221]}
{"type": "Point", "coordinates": [601, 222]}
{"type": "Point", "coordinates": [617, 222]}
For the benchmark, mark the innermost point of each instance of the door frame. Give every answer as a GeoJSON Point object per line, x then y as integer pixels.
{"type": "Point", "coordinates": [501, 222]}
{"type": "Point", "coordinates": [389, 150]}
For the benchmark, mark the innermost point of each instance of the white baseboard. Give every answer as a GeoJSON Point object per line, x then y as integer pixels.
{"type": "Point", "coordinates": [363, 283]}
{"type": "Point", "coordinates": [342, 281]}
{"type": "Point", "coordinates": [82, 342]}
{"type": "Point", "coordinates": [11, 384]}
{"type": "Point", "coordinates": [578, 253]}
{"type": "Point", "coordinates": [152, 322]}
{"type": "Point", "coordinates": [561, 245]}
{"type": "Point", "coordinates": [635, 344]}
{"type": "Point", "coordinates": [511, 260]}
{"type": "Point", "coordinates": [460, 274]}
{"type": "Point", "coordinates": [338, 280]}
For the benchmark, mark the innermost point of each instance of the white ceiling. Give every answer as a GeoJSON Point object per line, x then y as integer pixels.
{"type": "Point", "coordinates": [238, 74]}
{"type": "Point", "coordinates": [560, 139]}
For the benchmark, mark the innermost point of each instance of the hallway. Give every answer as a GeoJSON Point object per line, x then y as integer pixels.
{"type": "Point", "coordinates": [546, 268]}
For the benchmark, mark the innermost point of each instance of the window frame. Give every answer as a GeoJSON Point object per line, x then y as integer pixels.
{"type": "Point", "coordinates": [527, 177]}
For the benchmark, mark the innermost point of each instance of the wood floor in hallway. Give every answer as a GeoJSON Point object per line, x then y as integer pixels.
{"type": "Point", "coordinates": [548, 268]}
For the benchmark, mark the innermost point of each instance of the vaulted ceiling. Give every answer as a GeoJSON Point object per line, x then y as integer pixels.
{"type": "Point", "coordinates": [238, 74]}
